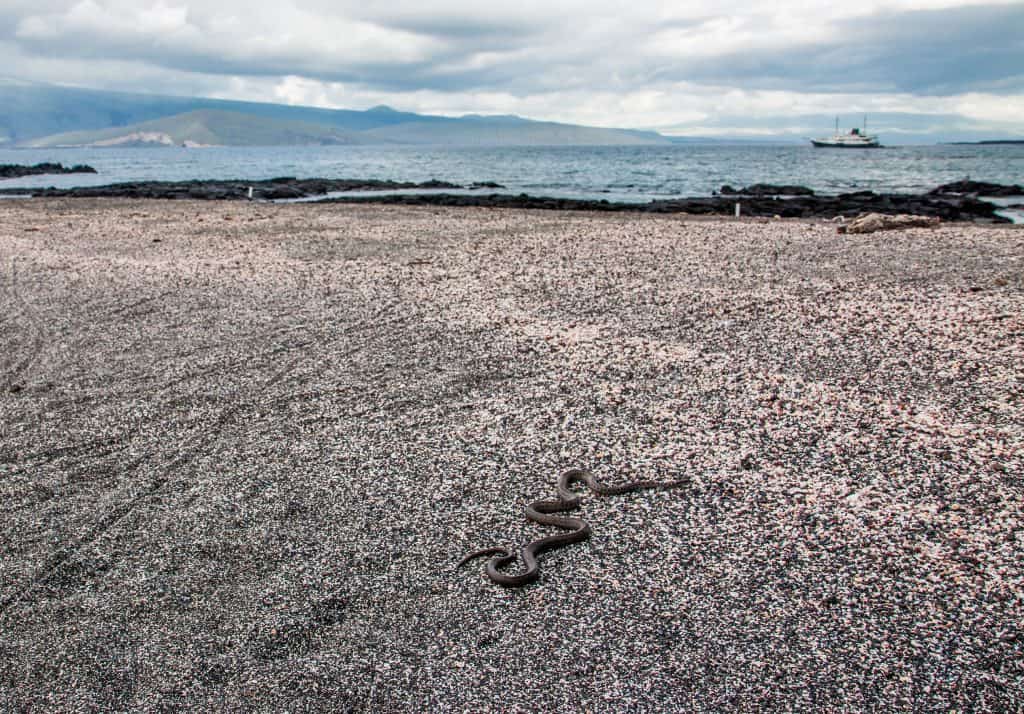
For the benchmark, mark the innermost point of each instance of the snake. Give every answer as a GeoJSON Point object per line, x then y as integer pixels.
{"type": "Point", "coordinates": [546, 512]}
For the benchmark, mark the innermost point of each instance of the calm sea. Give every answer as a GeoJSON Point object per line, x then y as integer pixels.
{"type": "Point", "coordinates": [614, 173]}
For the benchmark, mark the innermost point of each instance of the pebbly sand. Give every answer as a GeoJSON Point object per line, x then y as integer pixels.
{"type": "Point", "coordinates": [242, 447]}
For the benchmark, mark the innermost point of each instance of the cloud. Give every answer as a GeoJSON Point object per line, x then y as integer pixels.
{"type": "Point", "coordinates": [923, 51]}
{"type": "Point", "coordinates": [653, 63]}
{"type": "Point", "coordinates": [88, 16]}
{"type": "Point", "coordinates": [233, 38]}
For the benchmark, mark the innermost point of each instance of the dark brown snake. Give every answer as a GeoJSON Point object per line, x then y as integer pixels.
{"type": "Point", "coordinates": [543, 512]}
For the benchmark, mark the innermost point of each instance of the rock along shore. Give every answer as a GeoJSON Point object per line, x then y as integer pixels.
{"type": "Point", "coordinates": [276, 189]}
{"type": "Point", "coordinates": [852, 204]}
{"type": "Point", "coordinates": [953, 202]}
{"type": "Point", "coordinates": [9, 171]}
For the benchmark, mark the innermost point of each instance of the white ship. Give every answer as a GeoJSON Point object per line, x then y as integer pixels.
{"type": "Point", "coordinates": [854, 139]}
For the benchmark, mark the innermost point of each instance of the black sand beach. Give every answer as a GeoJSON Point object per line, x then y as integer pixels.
{"type": "Point", "coordinates": [243, 445]}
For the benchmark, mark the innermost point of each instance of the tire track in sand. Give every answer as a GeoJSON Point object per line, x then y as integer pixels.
{"type": "Point", "coordinates": [192, 448]}
{"type": "Point", "coordinates": [10, 381]}
{"type": "Point", "coordinates": [125, 508]}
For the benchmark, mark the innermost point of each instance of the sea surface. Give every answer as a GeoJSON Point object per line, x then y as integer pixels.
{"type": "Point", "coordinates": [637, 173]}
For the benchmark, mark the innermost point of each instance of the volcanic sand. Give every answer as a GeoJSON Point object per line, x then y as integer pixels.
{"type": "Point", "coordinates": [243, 445]}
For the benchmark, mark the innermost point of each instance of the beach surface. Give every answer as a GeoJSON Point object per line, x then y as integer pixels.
{"type": "Point", "coordinates": [244, 445]}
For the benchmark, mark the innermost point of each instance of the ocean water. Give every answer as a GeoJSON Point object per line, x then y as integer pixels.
{"type": "Point", "coordinates": [615, 173]}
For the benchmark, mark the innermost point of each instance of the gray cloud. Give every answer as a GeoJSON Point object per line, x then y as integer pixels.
{"type": "Point", "coordinates": [929, 52]}
{"type": "Point", "coordinates": [575, 54]}
{"type": "Point", "coordinates": [394, 52]}
{"type": "Point", "coordinates": [945, 52]}
{"type": "Point", "coordinates": [937, 51]}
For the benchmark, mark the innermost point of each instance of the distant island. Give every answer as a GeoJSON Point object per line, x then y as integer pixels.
{"type": "Point", "coordinates": [48, 116]}
{"type": "Point", "coordinates": [988, 141]}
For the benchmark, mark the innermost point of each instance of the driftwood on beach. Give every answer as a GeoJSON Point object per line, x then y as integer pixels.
{"type": "Point", "coordinates": [874, 222]}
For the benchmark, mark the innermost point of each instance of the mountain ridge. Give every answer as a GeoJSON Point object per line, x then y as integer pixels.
{"type": "Point", "coordinates": [40, 115]}
{"type": "Point", "coordinates": [206, 127]}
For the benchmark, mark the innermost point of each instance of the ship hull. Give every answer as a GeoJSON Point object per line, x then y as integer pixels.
{"type": "Point", "coordinates": [824, 144]}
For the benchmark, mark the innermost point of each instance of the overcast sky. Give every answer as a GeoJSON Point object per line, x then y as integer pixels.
{"type": "Point", "coordinates": [681, 67]}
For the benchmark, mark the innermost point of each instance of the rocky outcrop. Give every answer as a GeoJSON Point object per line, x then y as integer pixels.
{"type": "Point", "coordinates": [275, 189]}
{"type": "Point", "coordinates": [766, 189]}
{"type": "Point", "coordinates": [977, 188]}
{"type": "Point", "coordinates": [847, 205]}
{"type": "Point", "coordinates": [946, 206]}
{"type": "Point", "coordinates": [8, 171]}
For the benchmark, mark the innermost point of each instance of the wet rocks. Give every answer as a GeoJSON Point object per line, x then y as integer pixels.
{"type": "Point", "coordinates": [977, 188]}
{"type": "Point", "coordinates": [757, 200]}
{"type": "Point", "coordinates": [946, 208]}
{"type": "Point", "coordinates": [8, 171]}
{"type": "Point", "coordinates": [766, 189]}
{"type": "Point", "coordinates": [274, 189]}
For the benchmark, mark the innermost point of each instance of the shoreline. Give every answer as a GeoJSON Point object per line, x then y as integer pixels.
{"type": "Point", "coordinates": [952, 202]}
{"type": "Point", "coordinates": [243, 445]}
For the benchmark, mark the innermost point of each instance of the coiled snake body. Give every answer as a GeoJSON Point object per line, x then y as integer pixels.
{"type": "Point", "coordinates": [544, 512]}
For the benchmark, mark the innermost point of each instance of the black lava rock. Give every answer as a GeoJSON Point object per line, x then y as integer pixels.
{"type": "Point", "coordinates": [763, 200]}
{"type": "Point", "coordinates": [17, 171]}
{"type": "Point", "coordinates": [978, 188]}
{"type": "Point", "coordinates": [766, 189]}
